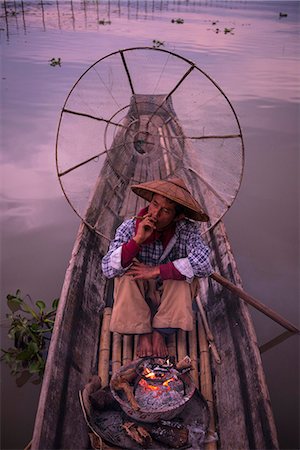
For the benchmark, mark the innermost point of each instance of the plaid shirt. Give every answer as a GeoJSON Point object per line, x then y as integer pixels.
{"type": "Point", "coordinates": [186, 250]}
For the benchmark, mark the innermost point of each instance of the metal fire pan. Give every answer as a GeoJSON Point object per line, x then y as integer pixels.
{"type": "Point", "coordinates": [165, 413]}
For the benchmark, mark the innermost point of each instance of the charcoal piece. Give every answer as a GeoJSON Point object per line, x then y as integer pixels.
{"type": "Point", "coordinates": [170, 433]}
{"type": "Point", "coordinates": [138, 433]}
{"type": "Point", "coordinates": [120, 384]}
{"type": "Point", "coordinates": [185, 363]}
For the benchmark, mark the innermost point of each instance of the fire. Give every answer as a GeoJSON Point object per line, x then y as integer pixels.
{"type": "Point", "coordinates": [148, 386]}
{"type": "Point", "coordinates": [149, 374]}
{"type": "Point", "coordinates": [158, 388]}
{"type": "Point", "coordinates": [166, 383]}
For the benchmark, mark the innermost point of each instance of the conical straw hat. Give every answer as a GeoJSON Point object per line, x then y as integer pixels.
{"type": "Point", "coordinates": [173, 189]}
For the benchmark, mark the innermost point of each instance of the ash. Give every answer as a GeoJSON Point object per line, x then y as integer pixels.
{"type": "Point", "coordinates": [162, 398]}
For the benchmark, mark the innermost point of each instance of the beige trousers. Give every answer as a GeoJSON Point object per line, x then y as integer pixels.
{"type": "Point", "coordinates": [139, 306]}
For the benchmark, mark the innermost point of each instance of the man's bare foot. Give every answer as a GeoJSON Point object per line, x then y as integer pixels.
{"type": "Point", "coordinates": [144, 346]}
{"type": "Point", "coordinates": [159, 345]}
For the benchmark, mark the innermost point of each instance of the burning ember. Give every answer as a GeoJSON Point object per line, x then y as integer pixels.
{"type": "Point", "coordinates": [152, 376]}
{"type": "Point", "coordinates": [159, 388]}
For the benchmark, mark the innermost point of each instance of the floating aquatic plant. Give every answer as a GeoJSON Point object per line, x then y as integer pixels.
{"type": "Point", "coordinates": [179, 20]}
{"type": "Point", "coordinates": [31, 329]}
{"type": "Point", "coordinates": [104, 22]}
{"type": "Point", "coordinates": [228, 30]}
{"type": "Point", "coordinates": [55, 62]}
{"type": "Point", "coordinates": [157, 44]}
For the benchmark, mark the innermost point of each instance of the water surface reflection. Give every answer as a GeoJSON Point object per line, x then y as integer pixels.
{"type": "Point", "coordinates": [257, 65]}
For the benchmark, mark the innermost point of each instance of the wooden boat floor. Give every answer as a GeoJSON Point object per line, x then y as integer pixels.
{"type": "Point", "coordinates": [117, 350]}
{"type": "Point", "coordinates": [107, 428]}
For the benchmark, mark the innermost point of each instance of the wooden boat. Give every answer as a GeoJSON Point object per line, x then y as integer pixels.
{"type": "Point", "coordinates": [234, 388]}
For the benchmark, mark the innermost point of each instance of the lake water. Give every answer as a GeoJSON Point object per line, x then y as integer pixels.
{"type": "Point", "coordinates": [257, 65]}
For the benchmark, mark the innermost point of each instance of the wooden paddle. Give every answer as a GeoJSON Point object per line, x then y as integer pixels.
{"type": "Point", "coordinates": [254, 302]}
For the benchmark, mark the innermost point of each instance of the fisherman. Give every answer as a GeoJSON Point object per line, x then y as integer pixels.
{"type": "Point", "coordinates": [156, 260]}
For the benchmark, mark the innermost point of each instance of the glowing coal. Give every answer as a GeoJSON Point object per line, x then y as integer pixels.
{"type": "Point", "coordinates": [158, 388]}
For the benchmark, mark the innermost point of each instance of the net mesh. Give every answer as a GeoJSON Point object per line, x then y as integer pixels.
{"type": "Point", "coordinates": [144, 114]}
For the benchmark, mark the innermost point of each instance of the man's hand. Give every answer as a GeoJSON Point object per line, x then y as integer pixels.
{"type": "Point", "coordinates": [145, 229]}
{"type": "Point", "coordinates": [139, 271]}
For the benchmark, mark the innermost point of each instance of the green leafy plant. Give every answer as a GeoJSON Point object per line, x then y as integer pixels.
{"type": "Point", "coordinates": [55, 62]}
{"type": "Point", "coordinates": [30, 329]}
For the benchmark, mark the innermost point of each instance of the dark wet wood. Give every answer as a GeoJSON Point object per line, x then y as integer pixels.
{"type": "Point", "coordinates": [243, 409]}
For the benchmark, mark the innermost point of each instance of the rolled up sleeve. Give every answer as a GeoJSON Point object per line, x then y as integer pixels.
{"type": "Point", "coordinates": [198, 255]}
{"type": "Point", "coordinates": [111, 262]}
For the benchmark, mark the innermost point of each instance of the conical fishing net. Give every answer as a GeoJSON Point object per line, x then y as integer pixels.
{"type": "Point", "coordinates": [143, 114]}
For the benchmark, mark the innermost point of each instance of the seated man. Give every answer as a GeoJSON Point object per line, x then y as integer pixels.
{"type": "Point", "coordinates": [156, 260]}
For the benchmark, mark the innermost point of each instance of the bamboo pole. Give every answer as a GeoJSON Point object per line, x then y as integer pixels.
{"type": "Point", "coordinates": [127, 349]}
{"type": "Point", "coordinates": [208, 332]}
{"type": "Point", "coordinates": [104, 350]}
{"type": "Point", "coordinates": [171, 344]}
{"type": "Point", "coordinates": [136, 339]}
{"type": "Point", "coordinates": [28, 446]}
{"type": "Point", "coordinates": [193, 353]}
{"type": "Point", "coordinates": [181, 345]}
{"type": "Point", "coordinates": [273, 342]}
{"type": "Point", "coordinates": [206, 387]}
{"type": "Point", "coordinates": [116, 352]}
{"type": "Point", "coordinates": [254, 302]}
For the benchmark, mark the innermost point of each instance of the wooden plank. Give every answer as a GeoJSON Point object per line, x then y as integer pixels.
{"type": "Point", "coordinates": [245, 418]}
{"type": "Point", "coordinates": [140, 203]}
{"type": "Point", "coordinates": [73, 350]}
{"type": "Point", "coordinates": [131, 204]}
{"type": "Point", "coordinates": [206, 387]}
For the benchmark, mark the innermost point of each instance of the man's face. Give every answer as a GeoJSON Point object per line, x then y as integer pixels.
{"type": "Point", "coordinates": [162, 210]}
